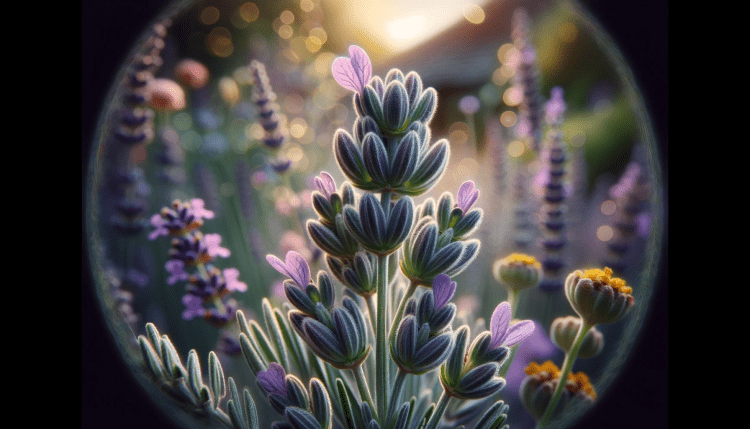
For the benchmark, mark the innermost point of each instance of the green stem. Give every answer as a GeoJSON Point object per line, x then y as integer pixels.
{"type": "Point", "coordinates": [364, 390]}
{"type": "Point", "coordinates": [371, 309]}
{"type": "Point", "coordinates": [437, 415]}
{"type": "Point", "coordinates": [570, 357]}
{"type": "Point", "coordinates": [401, 307]}
{"type": "Point", "coordinates": [398, 386]}
{"type": "Point", "coordinates": [381, 346]}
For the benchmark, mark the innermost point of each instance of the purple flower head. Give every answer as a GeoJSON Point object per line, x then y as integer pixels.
{"type": "Point", "coordinates": [231, 276]}
{"type": "Point", "coordinates": [325, 184]}
{"type": "Point", "coordinates": [180, 219]}
{"type": "Point", "coordinates": [295, 268]}
{"type": "Point", "coordinates": [502, 332]}
{"type": "Point", "coordinates": [442, 289]}
{"type": "Point", "coordinates": [555, 107]}
{"type": "Point", "coordinates": [467, 196]}
{"type": "Point", "coordinates": [273, 380]}
{"type": "Point", "coordinates": [468, 105]}
{"type": "Point", "coordinates": [354, 72]}
{"type": "Point", "coordinates": [176, 269]}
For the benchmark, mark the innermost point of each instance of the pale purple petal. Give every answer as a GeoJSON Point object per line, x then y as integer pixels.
{"type": "Point", "coordinates": [273, 379]}
{"type": "Point", "coordinates": [231, 275]}
{"type": "Point", "coordinates": [352, 73]}
{"type": "Point", "coordinates": [499, 324]}
{"type": "Point", "coordinates": [199, 210]}
{"type": "Point", "coordinates": [325, 184]}
{"type": "Point", "coordinates": [158, 222]}
{"type": "Point", "coordinates": [176, 270]}
{"type": "Point", "coordinates": [298, 269]}
{"type": "Point", "coordinates": [467, 196]}
{"type": "Point", "coordinates": [442, 289]}
{"type": "Point", "coordinates": [278, 265]}
{"type": "Point", "coordinates": [213, 242]}
{"type": "Point", "coordinates": [194, 307]}
{"type": "Point", "coordinates": [519, 332]}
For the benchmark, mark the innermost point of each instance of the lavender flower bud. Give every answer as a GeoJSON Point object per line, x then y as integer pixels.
{"type": "Point", "coordinates": [374, 230]}
{"type": "Point", "coordinates": [517, 272]}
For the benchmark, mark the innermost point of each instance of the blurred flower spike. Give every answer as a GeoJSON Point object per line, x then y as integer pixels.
{"type": "Point", "coordinates": [353, 73]}
{"type": "Point", "coordinates": [505, 334]}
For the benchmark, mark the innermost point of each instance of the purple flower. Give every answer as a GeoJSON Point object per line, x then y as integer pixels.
{"type": "Point", "coordinates": [213, 247]}
{"type": "Point", "coordinates": [468, 105]}
{"type": "Point", "coordinates": [193, 307]}
{"type": "Point", "coordinates": [467, 196]}
{"type": "Point", "coordinates": [502, 332]}
{"type": "Point", "coordinates": [231, 276]}
{"type": "Point", "coordinates": [158, 222]}
{"type": "Point", "coordinates": [555, 107]}
{"type": "Point", "coordinates": [295, 268]}
{"type": "Point", "coordinates": [325, 184]}
{"type": "Point", "coordinates": [176, 270]}
{"type": "Point", "coordinates": [442, 289]}
{"type": "Point", "coordinates": [273, 380]}
{"type": "Point", "coordinates": [352, 73]}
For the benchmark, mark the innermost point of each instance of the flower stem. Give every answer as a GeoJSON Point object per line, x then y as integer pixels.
{"type": "Point", "coordinates": [364, 390]}
{"type": "Point", "coordinates": [381, 346]}
{"type": "Point", "coordinates": [398, 386]}
{"type": "Point", "coordinates": [570, 357]}
{"type": "Point", "coordinates": [437, 415]}
{"type": "Point", "coordinates": [401, 307]}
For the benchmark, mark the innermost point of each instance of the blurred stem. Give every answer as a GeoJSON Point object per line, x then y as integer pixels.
{"type": "Point", "coordinates": [364, 390]}
{"type": "Point", "coordinates": [570, 357]}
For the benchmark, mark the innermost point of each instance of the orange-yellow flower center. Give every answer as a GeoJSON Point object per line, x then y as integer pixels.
{"type": "Point", "coordinates": [582, 382]}
{"type": "Point", "coordinates": [605, 277]}
{"type": "Point", "coordinates": [522, 258]}
{"type": "Point", "coordinates": [546, 371]}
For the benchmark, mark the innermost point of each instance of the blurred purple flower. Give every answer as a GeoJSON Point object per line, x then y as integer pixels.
{"type": "Point", "coordinates": [467, 196]}
{"type": "Point", "coordinates": [273, 380]}
{"type": "Point", "coordinates": [325, 184]}
{"type": "Point", "coordinates": [193, 307]}
{"type": "Point", "coordinates": [352, 73]}
{"type": "Point", "coordinates": [555, 107]}
{"type": "Point", "coordinates": [468, 105]}
{"type": "Point", "coordinates": [502, 332]}
{"type": "Point", "coordinates": [176, 269]}
{"type": "Point", "coordinates": [214, 249]}
{"type": "Point", "coordinates": [443, 289]}
{"type": "Point", "coordinates": [231, 276]}
{"type": "Point", "coordinates": [295, 268]}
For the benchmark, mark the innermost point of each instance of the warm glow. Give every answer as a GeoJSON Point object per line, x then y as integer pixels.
{"type": "Point", "coordinates": [516, 148]}
{"type": "Point", "coordinates": [406, 28]}
{"type": "Point", "coordinates": [508, 118]}
{"type": "Point", "coordinates": [605, 233]}
{"type": "Point", "coordinates": [473, 13]}
{"type": "Point", "coordinates": [608, 207]}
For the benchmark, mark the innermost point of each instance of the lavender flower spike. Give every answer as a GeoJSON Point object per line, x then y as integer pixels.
{"type": "Point", "coordinates": [273, 380]}
{"type": "Point", "coordinates": [467, 196]}
{"type": "Point", "coordinates": [503, 333]}
{"type": "Point", "coordinates": [295, 268]}
{"type": "Point", "coordinates": [443, 289]}
{"type": "Point", "coordinates": [352, 73]}
{"type": "Point", "coordinates": [325, 184]}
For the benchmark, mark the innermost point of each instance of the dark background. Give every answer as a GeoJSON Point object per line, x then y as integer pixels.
{"type": "Point", "coordinates": [110, 396]}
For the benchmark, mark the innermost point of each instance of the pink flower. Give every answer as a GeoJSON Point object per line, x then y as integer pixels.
{"type": "Point", "coordinates": [352, 73]}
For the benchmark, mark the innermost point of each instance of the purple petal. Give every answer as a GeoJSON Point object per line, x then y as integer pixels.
{"type": "Point", "coordinates": [176, 269]}
{"type": "Point", "coordinates": [325, 184]}
{"type": "Point", "coordinates": [519, 332]}
{"type": "Point", "coordinates": [198, 209]}
{"type": "Point", "coordinates": [231, 275]}
{"type": "Point", "coordinates": [442, 289]}
{"type": "Point", "coordinates": [467, 196]}
{"type": "Point", "coordinates": [298, 269]}
{"type": "Point", "coordinates": [278, 265]}
{"type": "Point", "coordinates": [499, 324]}
{"type": "Point", "coordinates": [273, 379]}
{"type": "Point", "coordinates": [213, 242]}
{"type": "Point", "coordinates": [352, 73]}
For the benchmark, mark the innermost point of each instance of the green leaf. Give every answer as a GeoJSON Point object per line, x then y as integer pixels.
{"type": "Point", "coordinates": [216, 378]}
{"type": "Point", "coordinates": [254, 360]}
{"type": "Point", "coordinates": [251, 412]}
{"type": "Point", "coordinates": [153, 335]}
{"type": "Point", "coordinates": [261, 340]}
{"type": "Point", "coordinates": [151, 358]}
{"type": "Point", "coordinates": [195, 380]}
{"type": "Point", "coordinates": [274, 331]}
{"type": "Point", "coordinates": [233, 406]}
{"type": "Point", "coordinates": [171, 358]}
